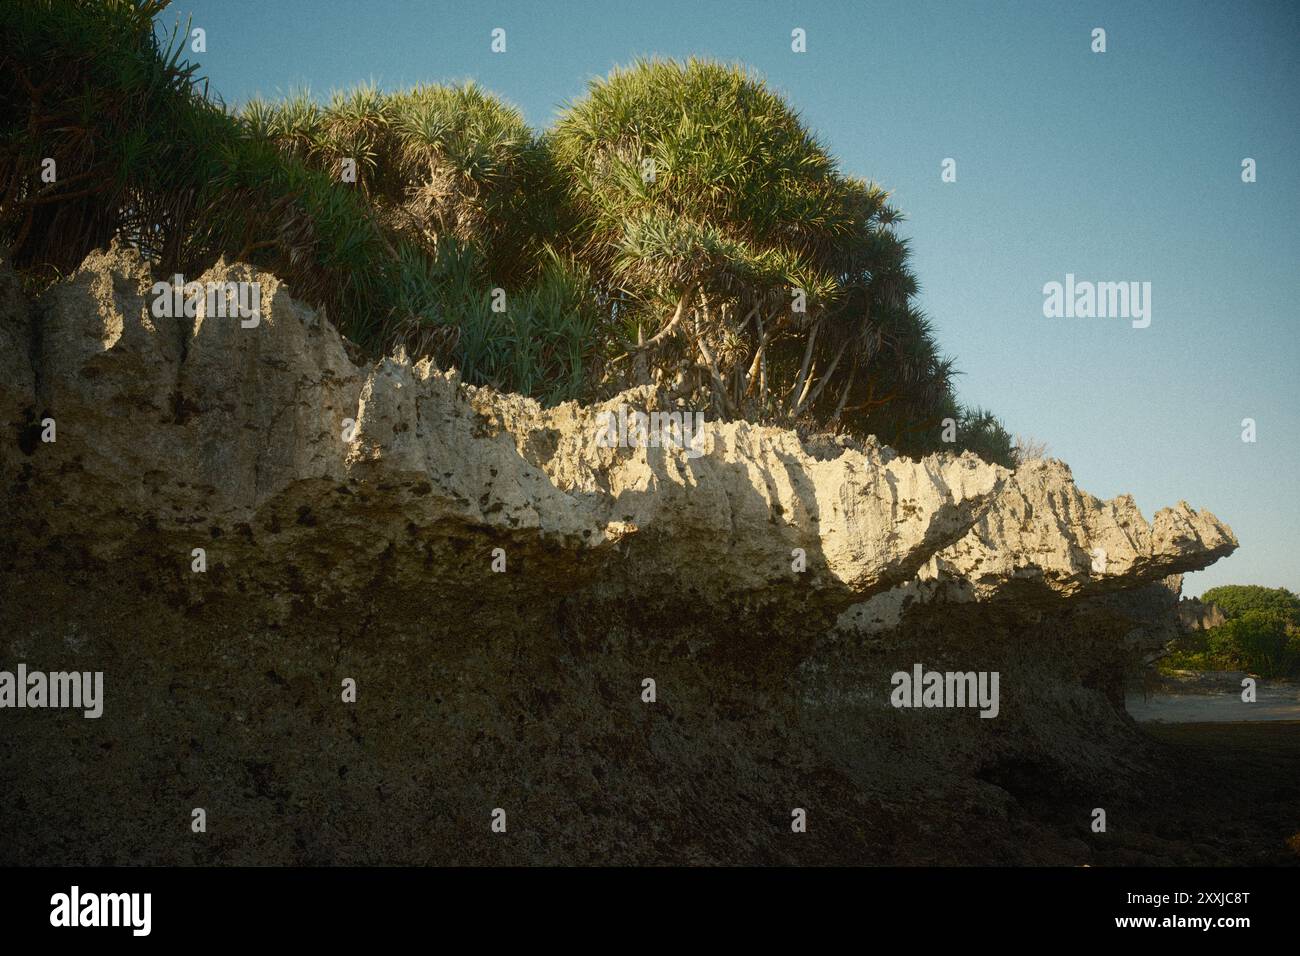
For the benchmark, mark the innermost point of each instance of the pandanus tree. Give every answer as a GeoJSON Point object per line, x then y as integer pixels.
{"type": "Point", "coordinates": [107, 133]}
{"type": "Point", "coordinates": [738, 258]}
{"type": "Point", "coordinates": [678, 223]}
{"type": "Point", "coordinates": [439, 162]}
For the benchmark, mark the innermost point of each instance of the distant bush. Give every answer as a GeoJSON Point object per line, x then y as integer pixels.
{"type": "Point", "coordinates": [1237, 599]}
{"type": "Point", "coordinates": [1190, 654]}
{"type": "Point", "coordinates": [1264, 642]}
{"type": "Point", "coordinates": [1028, 449]}
{"type": "Point", "coordinates": [1261, 634]}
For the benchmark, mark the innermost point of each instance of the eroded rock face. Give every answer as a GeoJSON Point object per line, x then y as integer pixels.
{"type": "Point", "coordinates": [1198, 616]}
{"type": "Point", "coordinates": [350, 518]}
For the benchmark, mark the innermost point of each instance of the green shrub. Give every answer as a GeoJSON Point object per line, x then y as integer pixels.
{"type": "Point", "coordinates": [611, 276]}
{"type": "Point", "coordinates": [702, 203]}
{"type": "Point", "coordinates": [1236, 599]}
{"type": "Point", "coordinates": [1179, 659]}
{"type": "Point", "coordinates": [1261, 642]}
{"type": "Point", "coordinates": [437, 161]}
{"type": "Point", "coordinates": [451, 199]}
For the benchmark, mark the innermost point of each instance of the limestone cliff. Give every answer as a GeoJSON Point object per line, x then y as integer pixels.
{"type": "Point", "coordinates": [500, 584]}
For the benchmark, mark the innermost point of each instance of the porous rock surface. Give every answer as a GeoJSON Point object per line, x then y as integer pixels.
{"type": "Point", "coordinates": [351, 516]}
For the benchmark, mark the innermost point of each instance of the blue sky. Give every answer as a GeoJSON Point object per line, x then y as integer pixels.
{"type": "Point", "coordinates": [1119, 166]}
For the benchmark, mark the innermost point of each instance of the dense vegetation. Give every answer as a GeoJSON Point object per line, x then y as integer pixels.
{"type": "Point", "coordinates": [677, 225]}
{"type": "Point", "coordinates": [1261, 633]}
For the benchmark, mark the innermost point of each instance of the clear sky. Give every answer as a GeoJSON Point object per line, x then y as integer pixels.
{"type": "Point", "coordinates": [1115, 166]}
